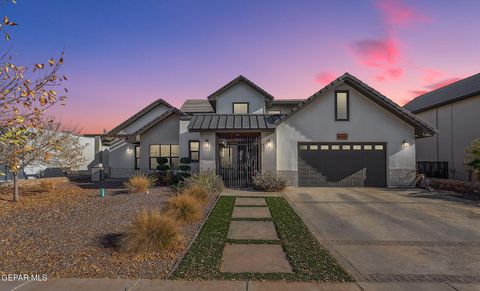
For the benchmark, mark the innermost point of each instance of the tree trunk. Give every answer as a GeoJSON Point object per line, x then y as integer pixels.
{"type": "Point", "coordinates": [15, 187]}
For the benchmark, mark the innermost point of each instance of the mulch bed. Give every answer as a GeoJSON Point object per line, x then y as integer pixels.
{"type": "Point", "coordinates": [74, 233]}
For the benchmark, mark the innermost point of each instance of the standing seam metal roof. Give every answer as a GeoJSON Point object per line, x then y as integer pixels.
{"type": "Point", "coordinates": [233, 121]}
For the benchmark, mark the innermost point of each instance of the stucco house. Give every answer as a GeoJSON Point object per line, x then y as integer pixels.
{"type": "Point", "coordinates": [346, 134]}
{"type": "Point", "coordinates": [454, 110]}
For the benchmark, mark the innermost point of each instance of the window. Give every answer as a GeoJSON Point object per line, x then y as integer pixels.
{"type": "Point", "coordinates": [357, 147]}
{"type": "Point", "coordinates": [341, 106]}
{"type": "Point", "coordinates": [335, 147]}
{"type": "Point", "coordinates": [274, 112]}
{"type": "Point", "coordinates": [137, 157]}
{"type": "Point", "coordinates": [324, 147]}
{"type": "Point", "coordinates": [240, 108]}
{"type": "Point", "coordinates": [194, 150]}
{"type": "Point", "coordinates": [367, 147]}
{"type": "Point", "coordinates": [346, 147]}
{"type": "Point", "coordinates": [379, 147]}
{"type": "Point", "coordinates": [303, 147]}
{"type": "Point", "coordinates": [169, 151]}
{"type": "Point", "coordinates": [314, 147]}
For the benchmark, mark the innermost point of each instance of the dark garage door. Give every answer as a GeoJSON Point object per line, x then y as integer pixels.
{"type": "Point", "coordinates": [342, 164]}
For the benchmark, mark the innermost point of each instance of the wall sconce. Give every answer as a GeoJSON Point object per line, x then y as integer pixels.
{"type": "Point", "coordinates": [129, 150]}
{"type": "Point", "coordinates": [206, 144]}
{"type": "Point", "coordinates": [405, 144]}
{"type": "Point", "coordinates": [268, 144]}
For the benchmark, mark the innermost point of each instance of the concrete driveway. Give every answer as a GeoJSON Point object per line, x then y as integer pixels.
{"type": "Point", "coordinates": [386, 235]}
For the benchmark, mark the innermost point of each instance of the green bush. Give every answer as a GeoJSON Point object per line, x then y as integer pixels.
{"type": "Point", "coordinates": [269, 182]}
{"type": "Point", "coordinates": [207, 180]}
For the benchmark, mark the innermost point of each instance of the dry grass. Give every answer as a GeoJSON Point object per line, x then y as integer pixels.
{"type": "Point", "coordinates": [139, 183]}
{"type": "Point", "coordinates": [198, 192]}
{"type": "Point", "coordinates": [48, 186]}
{"type": "Point", "coordinates": [150, 232]}
{"type": "Point", "coordinates": [184, 208]}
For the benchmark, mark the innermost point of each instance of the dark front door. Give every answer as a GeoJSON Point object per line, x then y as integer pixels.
{"type": "Point", "coordinates": [238, 158]}
{"type": "Point", "coordinates": [342, 164]}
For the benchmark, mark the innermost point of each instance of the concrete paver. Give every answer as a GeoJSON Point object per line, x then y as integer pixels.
{"type": "Point", "coordinates": [255, 230]}
{"type": "Point", "coordinates": [251, 212]}
{"type": "Point", "coordinates": [302, 286]}
{"type": "Point", "coordinates": [255, 258]}
{"type": "Point", "coordinates": [250, 201]}
{"type": "Point", "coordinates": [406, 286]}
{"type": "Point", "coordinates": [79, 284]}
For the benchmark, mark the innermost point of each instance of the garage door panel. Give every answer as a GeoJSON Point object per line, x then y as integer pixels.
{"type": "Point", "coordinates": [342, 167]}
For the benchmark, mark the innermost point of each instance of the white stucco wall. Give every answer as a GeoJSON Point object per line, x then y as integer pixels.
{"type": "Point", "coordinates": [240, 92]}
{"type": "Point", "coordinates": [121, 162]}
{"type": "Point", "coordinates": [368, 123]}
{"type": "Point", "coordinates": [207, 153]}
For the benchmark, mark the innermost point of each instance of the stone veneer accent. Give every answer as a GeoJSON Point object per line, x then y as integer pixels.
{"type": "Point", "coordinates": [291, 176]}
{"type": "Point", "coordinates": [401, 177]}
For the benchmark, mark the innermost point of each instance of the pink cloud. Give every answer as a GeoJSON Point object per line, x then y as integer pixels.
{"type": "Point", "coordinates": [396, 12]}
{"type": "Point", "coordinates": [375, 52]}
{"type": "Point", "coordinates": [442, 83]}
{"type": "Point", "coordinates": [324, 78]}
{"type": "Point", "coordinates": [434, 86]}
{"type": "Point", "coordinates": [430, 75]}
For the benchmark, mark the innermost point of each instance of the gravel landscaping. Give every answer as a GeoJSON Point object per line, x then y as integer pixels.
{"type": "Point", "coordinates": [73, 232]}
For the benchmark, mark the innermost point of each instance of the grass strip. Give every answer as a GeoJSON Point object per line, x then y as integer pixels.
{"type": "Point", "coordinates": [309, 259]}
{"type": "Point", "coordinates": [254, 241]}
{"type": "Point", "coordinates": [202, 261]}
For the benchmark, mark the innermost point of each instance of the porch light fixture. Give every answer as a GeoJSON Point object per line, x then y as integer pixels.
{"type": "Point", "coordinates": [129, 150]}
{"type": "Point", "coordinates": [206, 144]}
{"type": "Point", "coordinates": [268, 144]}
{"type": "Point", "coordinates": [405, 144]}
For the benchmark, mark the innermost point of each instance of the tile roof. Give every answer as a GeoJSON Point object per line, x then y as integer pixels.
{"type": "Point", "coordinates": [456, 91]}
{"type": "Point", "coordinates": [205, 122]}
{"type": "Point", "coordinates": [196, 106]}
{"type": "Point", "coordinates": [422, 129]}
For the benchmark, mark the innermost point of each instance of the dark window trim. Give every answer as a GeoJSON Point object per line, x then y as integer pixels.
{"type": "Point", "coordinates": [233, 107]}
{"type": "Point", "coordinates": [160, 153]}
{"type": "Point", "coordinates": [271, 111]}
{"type": "Point", "coordinates": [137, 159]}
{"type": "Point", "coordinates": [348, 105]}
{"type": "Point", "coordinates": [190, 151]}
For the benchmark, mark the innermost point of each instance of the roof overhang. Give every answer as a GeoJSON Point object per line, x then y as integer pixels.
{"type": "Point", "coordinates": [233, 122]}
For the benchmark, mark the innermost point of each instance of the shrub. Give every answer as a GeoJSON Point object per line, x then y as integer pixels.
{"type": "Point", "coordinates": [474, 157]}
{"type": "Point", "coordinates": [48, 186]}
{"type": "Point", "coordinates": [184, 208]}
{"type": "Point", "coordinates": [149, 232]}
{"type": "Point", "coordinates": [269, 182]}
{"type": "Point", "coordinates": [197, 191]}
{"type": "Point", "coordinates": [140, 183]}
{"type": "Point", "coordinates": [206, 179]}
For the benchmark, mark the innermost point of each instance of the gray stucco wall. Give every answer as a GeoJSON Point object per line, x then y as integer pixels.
{"type": "Point", "coordinates": [368, 123]}
{"type": "Point", "coordinates": [164, 133]}
{"type": "Point", "coordinates": [240, 92]}
{"type": "Point", "coordinates": [121, 159]}
{"type": "Point", "coordinates": [184, 138]}
{"type": "Point", "coordinates": [268, 155]}
{"type": "Point", "coordinates": [458, 126]}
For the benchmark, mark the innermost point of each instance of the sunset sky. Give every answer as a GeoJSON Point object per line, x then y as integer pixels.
{"type": "Point", "coordinates": [122, 55]}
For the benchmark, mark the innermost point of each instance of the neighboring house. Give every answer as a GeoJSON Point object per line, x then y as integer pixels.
{"type": "Point", "coordinates": [454, 110]}
{"type": "Point", "coordinates": [35, 171]}
{"type": "Point", "coordinates": [346, 134]}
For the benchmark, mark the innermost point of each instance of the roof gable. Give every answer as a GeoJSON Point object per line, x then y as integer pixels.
{"type": "Point", "coordinates": [240, 79]}
{"type": "Point", "coordinates": [138, 115]}
{"type": "Point", "coordinates": [459, 90]}
{"type": "Point", "coordinates": [422, 129]}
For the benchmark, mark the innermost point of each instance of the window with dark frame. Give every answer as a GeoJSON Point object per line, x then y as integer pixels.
{"type": "Point", "coordinates": [342, 106]}
{"type": "Point", "coordinates": [169, 151]}
{"type": "Point", "coordinates": [240, 108]}
{"type": "Point", "coordinates": [274, 112]}
{"type": "Point", "coordinates": [137, 157]}
{"type": "Point", "coordinates": [194, 151]}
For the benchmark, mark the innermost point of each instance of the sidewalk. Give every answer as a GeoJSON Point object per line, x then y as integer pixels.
{"type": "Point", "coordinates": [146, 285]}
